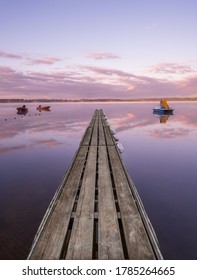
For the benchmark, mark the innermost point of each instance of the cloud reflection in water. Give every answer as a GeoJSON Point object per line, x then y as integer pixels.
{"type": "Point", "coordinates": [160, 157]}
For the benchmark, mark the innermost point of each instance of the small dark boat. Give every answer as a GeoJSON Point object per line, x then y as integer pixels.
{"type": "Point", "coordinates": [22, 110]}
{"type": "Point", "coordinates": [45, 108]}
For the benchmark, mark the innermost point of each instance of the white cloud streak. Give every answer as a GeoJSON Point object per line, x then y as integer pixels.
{"type": "Point", "coordinates": [101, 55]}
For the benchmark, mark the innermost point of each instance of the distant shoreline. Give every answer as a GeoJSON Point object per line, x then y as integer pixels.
{"type": "Point", "coordinates": [86, 100]}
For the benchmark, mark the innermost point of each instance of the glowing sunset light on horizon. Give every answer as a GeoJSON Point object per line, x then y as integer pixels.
{"type": "Point", "coordinates": [93, 49]}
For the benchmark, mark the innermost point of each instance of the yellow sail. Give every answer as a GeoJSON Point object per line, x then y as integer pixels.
{"type": "Point", "coordinates": [165, 104]}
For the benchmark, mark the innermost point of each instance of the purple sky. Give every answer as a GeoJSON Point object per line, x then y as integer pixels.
{"type": "Point", "coordinates": [96, 49]}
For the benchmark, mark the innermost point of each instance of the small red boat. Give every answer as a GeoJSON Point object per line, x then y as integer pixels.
{"type": "Point", "coordinates": [46, 108]}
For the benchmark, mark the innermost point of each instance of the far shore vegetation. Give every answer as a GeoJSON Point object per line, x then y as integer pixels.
{"type": "Point", "coordinates": [21, 100]}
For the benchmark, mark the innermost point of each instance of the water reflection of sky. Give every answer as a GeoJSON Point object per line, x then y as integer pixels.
{"type": "Point", "coordinates": [36, 149]}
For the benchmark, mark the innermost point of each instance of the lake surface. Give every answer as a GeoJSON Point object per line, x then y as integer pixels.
{"type": "Point", "coordinates": [160, 154]}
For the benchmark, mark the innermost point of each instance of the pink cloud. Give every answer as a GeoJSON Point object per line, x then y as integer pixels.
{"type": "Point", "coordinates": [101, 55]}
{"type": "Point", "coordinates": [130, 115]}
{"type": "Point", "coordinates": [48, 142]}
{"type": "Point", "coordinates": [170, 133]}
{"type": "Point", "coordinates": [47, 60]}
{"type": "Point", "coordinates": [126, 77]}
{"type": "Point", "coordinates": [172, 68]}
{"type": "Point", "coordinates": [90, 82]}
{"type": "Point", "coordinates": [127, 123]}
{"type": "Point", "coordinates": [10, 55]}
{"type": "Point", "coordinates": [4, 70]}
{"type": "Point", "coordinates": [190, 82]}
{"type": "Point", "coordinates": [10, 149]}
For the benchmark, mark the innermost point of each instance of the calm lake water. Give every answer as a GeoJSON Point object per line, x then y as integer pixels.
{"type": "Point", "coordinates": [160, 154]}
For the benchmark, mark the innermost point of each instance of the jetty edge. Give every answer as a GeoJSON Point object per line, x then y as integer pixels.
{"type": "Point", "coordinates": [96, 212]}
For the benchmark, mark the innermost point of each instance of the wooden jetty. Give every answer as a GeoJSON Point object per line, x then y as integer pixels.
{"type": "Point", "coordinates": [96, 212]}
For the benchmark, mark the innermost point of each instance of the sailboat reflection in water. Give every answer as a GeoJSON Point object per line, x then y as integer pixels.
{"type": "Point", "coordinates": [163, 117]}
{"type": "Point", "coordinates": [163, 111]}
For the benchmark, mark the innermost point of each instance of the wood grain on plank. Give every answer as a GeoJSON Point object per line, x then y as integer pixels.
{"type": "Point", "coordinates": [109, 239]}
{"type": "Point", "coordinates": [51, 241]}
{"type": "Point", "coordinates": [81, 240]}
{"type": "Point", "coordinates": [138, 244]}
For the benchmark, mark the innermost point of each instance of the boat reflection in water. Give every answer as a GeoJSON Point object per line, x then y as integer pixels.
{"type": "Point", "coordinates": [22, 110]}
{"type": "Point", "coordinates": [163, 117]}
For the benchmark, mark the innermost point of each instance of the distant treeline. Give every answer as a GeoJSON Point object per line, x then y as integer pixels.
{"type": "Point", "coordinates": [98, 100]}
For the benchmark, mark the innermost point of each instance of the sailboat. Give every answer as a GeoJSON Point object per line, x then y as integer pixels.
{"type": "Point", "coordinates": [163, 108]}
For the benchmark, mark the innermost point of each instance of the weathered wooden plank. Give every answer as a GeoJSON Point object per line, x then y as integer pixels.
{"type": "Point", "coordinates": [109, 239]}
{"type": "Point", "coordinates": [81, 240]}
{"type": "Point", "coordinates": [89, 131]}
{"type": "Point", "coordinates": [138, 245]}
{"type": "Point", "coordinates": [93, 118]}
{"type": "Point", "coordinates": [94, 140]}
{"type": "Point", "coordinates": [108, 136]}
{"type": "Point", "coordinates": [101, 133]}
{"type": "Point", "coordinates": [50, 243]}
{"type": "Point", "coordinates": [87, 136]}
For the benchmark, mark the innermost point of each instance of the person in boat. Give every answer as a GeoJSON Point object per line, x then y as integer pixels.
{"type": "Point", "coordinates": [162, 104]}
{"type": "Point", "coordinates": [23, 108]}
{"type": "Point", "coordinates": [46, 108]}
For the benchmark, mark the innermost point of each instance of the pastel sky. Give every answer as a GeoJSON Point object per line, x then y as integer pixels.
{"type": "Point", "coordinates": [98, 48]}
